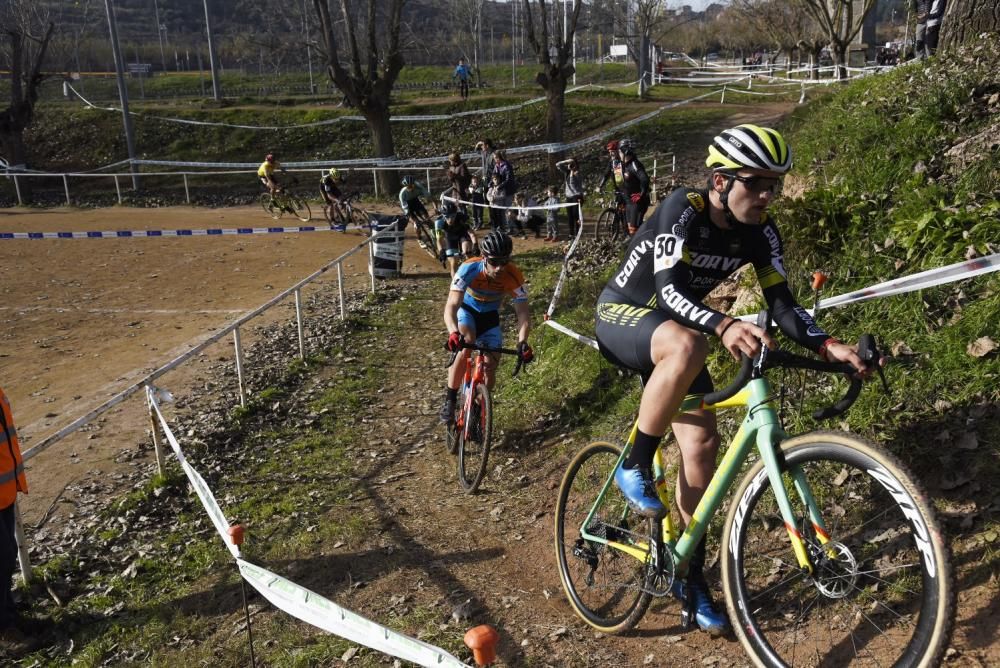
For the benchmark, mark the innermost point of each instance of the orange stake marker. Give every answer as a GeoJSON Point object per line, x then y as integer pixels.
{"type": "Point", "coordinates": [482, 640]}
{"type": "Point", "coordinates": [819, 278]}
{"type": "Point", "coordinates": [236, 534]}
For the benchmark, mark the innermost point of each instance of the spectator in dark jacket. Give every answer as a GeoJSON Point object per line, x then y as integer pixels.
{"type": "Point", "coordinates": [573, 191]}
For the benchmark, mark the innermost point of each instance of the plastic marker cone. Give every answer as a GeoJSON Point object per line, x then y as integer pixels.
{"type": "Point", "coordinates": [819, 278]}
{"type": "Point", "coordinates": [482, 640]}
{"type": "Point", "coordinates": [236, 534]}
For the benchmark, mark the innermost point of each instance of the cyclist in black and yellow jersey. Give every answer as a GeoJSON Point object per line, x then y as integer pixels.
{"type": "Point", "coordinates": [266, 173]}
{"type": "Point", "coordinates": [651, 319]}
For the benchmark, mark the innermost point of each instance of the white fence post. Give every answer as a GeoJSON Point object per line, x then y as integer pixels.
{"type": "Point", "coordinates": [298, 322]}
{"type": "Point", "coordinates": [723, 100]}
{"type": "Point", "coordinates": [118, 189]}
{"type": "Point", "coordinates": [428, 172]}
{"type": "Point", "coordinates": [157, 445]}
{"type": "Point", "coordinates": [66, 188]}
{"type": "Point", "coordinates": [371, 264]}
{"type": "Point", "coordinates": [22, 546]}
{"type": "Point", "coordinates": [239, 366]}
{"type": "Point", "coordinates": [673, 171]}
{"type": "Point", "coordinates": [654, 179]}
{"type": "Point", "coordinates": [375, 180]}
{"type": "Point", "coordinates": [340, 288]}
{"type": "Point", "coordinates": [17, 189]}
{"type": "Point", "coordinates": [187, 193]}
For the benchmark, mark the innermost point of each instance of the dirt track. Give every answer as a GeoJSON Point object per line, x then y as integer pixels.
{"type": "Point", "coordinates": [87, 318]}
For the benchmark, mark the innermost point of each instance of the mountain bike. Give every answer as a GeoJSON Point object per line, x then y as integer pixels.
{"type": "Point", "coordinates": [470, 434]}
{"type": "Point", "coordinates": [424, 227]}
{"type": "Point", "coordinates": [611, 221]}
{"type": "Point", "coordinates": [831, 552]}
{"type": "Point", "coordinates": [282, 202]}
{"type": "Point", "coordinates": [345, 213]}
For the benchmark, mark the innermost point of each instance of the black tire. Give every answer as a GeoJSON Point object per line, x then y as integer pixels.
{"type": "Point", "coordinates": [883, 593]}
{"type": "Point", "coordinates": [607, 225]}
{"type": "Point", "coordinates": [301, 208]}
{"type": "Point", "coordinates": [474, 452]}
{"type": "Point", "coordinates": [425, 240]}
{"type": "Point", "coordinates": [361, 219]}
{"type": "Point", "coordinates": [606, 587]}
{"type": "Point", "coordinates": [270, 208]}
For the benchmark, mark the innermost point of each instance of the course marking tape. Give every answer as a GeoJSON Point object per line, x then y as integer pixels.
{"type": "Point", "coordinates": [295, 599]}
{"type": "Point", "coordinates": [323, 613]}
{"type": "Point", "coordinates": [201, 488]}
{"type": "Point", "coordinates": [125, 234]}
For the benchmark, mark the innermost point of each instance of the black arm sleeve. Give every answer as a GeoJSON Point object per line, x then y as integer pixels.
{"type": "Point", "coordinates": [672, 268]}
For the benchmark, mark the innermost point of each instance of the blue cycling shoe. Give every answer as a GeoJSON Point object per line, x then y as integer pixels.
{"type": "Point", "coordinates": [706, 615]}
{"type": "Point", "coordinates": [637, 486]}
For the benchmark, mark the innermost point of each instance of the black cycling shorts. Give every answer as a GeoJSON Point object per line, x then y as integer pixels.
{"type": "Point", "coordinates": [417, 208]}
{"type": "Point", "coordinates": [484, 321]}
{"type": "Point", "coordinates": [625, 335]}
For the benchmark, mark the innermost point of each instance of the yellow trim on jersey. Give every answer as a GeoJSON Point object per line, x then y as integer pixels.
{"type": "Point", "coordinates": [768, 276]}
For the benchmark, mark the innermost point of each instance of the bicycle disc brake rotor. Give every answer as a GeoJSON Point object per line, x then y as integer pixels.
{"type": "Point", "coordinates": [836, 569]}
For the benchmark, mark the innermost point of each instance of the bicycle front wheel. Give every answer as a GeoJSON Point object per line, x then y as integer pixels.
{"type": "Point", "coordinates": [361, 220]}
{"type": "Point", "coordinates": [270, 207]}
{"type": "Point", "coordinates": [300, 209]}
{"type": "Point", "coordinates": [474, 451]}
{"type": "Point", "coordinates": [608, 225]}
{"type": "Point", "coordinates": [882, 591]}
{"type": "Point", "coordinates": [425, 240]}
{"type": "Point", "coordinates": [605, 585]}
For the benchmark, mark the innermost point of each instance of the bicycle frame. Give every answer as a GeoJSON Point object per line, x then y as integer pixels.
{"type": "Point", "coordinates": [475, 373]}
{"type": "Point", "coordinates": [762, 428]}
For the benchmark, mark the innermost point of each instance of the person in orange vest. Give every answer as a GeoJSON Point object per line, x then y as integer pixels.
{"type": "Point", "coordinates": [11, 482]}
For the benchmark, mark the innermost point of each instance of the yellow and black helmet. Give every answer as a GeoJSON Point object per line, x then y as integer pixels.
{"type": "Point", "coordinates": [749, 147]}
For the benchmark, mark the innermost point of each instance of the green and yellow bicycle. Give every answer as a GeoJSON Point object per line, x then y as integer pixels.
{"type": "Point", "coordinates": [831, 553]}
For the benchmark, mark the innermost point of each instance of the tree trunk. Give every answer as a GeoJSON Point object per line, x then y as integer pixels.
{"type": "Point", "coordinates": [377, 118]}
{"type": "Point", "coordinates": [965, 20]}
{"type": "Point", "coordinates": [556, 97]}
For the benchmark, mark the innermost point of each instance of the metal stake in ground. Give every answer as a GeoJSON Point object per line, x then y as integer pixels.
{"type": "Point", "coordinates": [236, 536]}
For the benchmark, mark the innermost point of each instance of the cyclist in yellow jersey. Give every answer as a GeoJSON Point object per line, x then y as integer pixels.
{"type": "Point", "coordinates": [266, 173]}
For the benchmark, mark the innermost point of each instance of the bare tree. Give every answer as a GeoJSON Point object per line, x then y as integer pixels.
{"type": "Point", "coordinates": [554, 50]}
{"type": "Point", "coordinates": [27, 35]}
{"type": "Point", "coordinates": [643, 23]}
{"type": "Point", "coordinates": [783, 26]}
{"type": "Point", "coordinates": [366, 80]}
{"type": "Point", "coordinates": [965, 20]}
{"type": "Point", "coordinates": [469, 15]}
{"type": "Point", "coordinates": [840, 21]}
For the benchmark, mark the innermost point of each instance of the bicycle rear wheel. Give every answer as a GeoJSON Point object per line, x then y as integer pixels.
{"type": "Point", "coordinates": [474, 451]}
{"type": "Point", "coordinates": [605, 586]}
{"type": "Point", "coordinates": [300, 209]}
{"type": "Point", "coordinates": [882, 593]}
{"type": "Point", "coordinates": [270, 207]}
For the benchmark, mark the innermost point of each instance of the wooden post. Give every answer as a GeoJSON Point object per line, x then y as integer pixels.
{"type": "Point", "coordinates": [340, 288]}
{"type": "Point", "coordinates": [118, 188]}
{"type": "Point", "coordinates": [239, 367]}
{"type": "Point", "coordinates": [66, 188]}
{"type": "Point", "coordinates": [17, 189]}
{"type": "Point", "coordinates": [187, 193]}
{"type": "Point", "coordinates": [22, 546]}
{"type": "Point", "coordinates": [298, 322]}
{"type": "Point", "coordinates": [155, 426]}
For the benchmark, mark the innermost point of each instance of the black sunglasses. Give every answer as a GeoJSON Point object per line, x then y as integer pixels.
{"type": "Point", "coordinates": [497, 261]}
{"type": "Point", "coordinates": [758, 184]}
